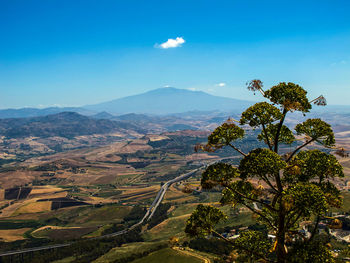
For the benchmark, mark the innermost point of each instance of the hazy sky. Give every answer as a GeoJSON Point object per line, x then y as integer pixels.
{"type": "Point", "coordinates": [72, 53]}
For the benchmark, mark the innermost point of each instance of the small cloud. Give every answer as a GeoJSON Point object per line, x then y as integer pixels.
{"type": "Point", "coordinates": [171, 43]}
{"type": "Point", "coordinates": [42, 106]}
{"type": "Point", "coordinates": [221, 84]}
{"type": "Point", "coordinates": [167, 86]}
{"type": "Point", "coordinates": [193, 89]}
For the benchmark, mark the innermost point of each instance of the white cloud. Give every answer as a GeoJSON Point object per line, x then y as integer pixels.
{"type": "Point", "coordinates": [42, 106]}
{"type": "Point", "coordinates": [172, 43]}
{"type": "Point", "coordinates": [167, 86]}
{"type": "Point", "coordinates": [221, 84]}
{"type": "Point", "coordinates": [193, 89]}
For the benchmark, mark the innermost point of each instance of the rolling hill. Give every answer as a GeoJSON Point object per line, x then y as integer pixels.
{"type": "Point", "coordinates": [64, 124]}
{"type": "Point", "coordinates": [34, 112]}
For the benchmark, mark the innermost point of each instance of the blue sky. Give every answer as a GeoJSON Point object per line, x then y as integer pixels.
{"type": "Point", "coordinates": [73, 53]}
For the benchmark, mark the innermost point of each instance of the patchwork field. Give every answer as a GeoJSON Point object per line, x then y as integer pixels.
{"type": "Point", "coordinates": [90, 192]}
{"type": "Point", "coordinates": [10, 235]}
{"type": "Point", "coordinates": [34, 207]}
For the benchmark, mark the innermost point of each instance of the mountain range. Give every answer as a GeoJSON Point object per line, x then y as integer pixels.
{"type": "Point", "coordinates": [163, 101]}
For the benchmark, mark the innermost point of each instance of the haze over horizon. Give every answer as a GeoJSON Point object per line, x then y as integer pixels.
{"type": "Point", "coordinates": [79, 53]}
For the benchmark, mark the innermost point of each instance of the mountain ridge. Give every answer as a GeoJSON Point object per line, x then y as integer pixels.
{"type": "Point", "coordinates": [168, 101]}
{"type": "Point", "coordinates": [161, 101]}
{"type": "Point", "coordinates": [63, 124]}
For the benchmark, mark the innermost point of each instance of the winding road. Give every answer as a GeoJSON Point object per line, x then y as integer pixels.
{"type": "Point", "coordinates": [148, 215]}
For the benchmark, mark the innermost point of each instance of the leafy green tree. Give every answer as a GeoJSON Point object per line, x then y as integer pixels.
{"type": "Point", "coordinates": [281, 190]}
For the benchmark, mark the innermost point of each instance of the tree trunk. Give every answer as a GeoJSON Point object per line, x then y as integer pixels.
{"type": "Point", "coordinates": [280, 249]}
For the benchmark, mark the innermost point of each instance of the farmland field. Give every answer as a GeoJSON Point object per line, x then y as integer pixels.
{"type": "Point", "coordinates": [10, 235]}
{"type": "Point", "coordinates": [168, 255]}
{"type": "Point", "coordinates": [87, 193]}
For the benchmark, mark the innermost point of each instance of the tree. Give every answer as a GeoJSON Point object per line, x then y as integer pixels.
{"type": "Point", "coordinates": [281, 190]}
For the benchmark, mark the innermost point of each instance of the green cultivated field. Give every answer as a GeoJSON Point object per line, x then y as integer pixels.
{"type": "Point", "coordinates": [125, 251]}
{"type": "Point", "coordinates": [167, 255]}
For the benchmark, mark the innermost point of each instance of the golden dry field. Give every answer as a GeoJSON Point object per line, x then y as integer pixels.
{"type": "Point", "coordinates": [17, 178]}
{"type": "Point", "coordinates": [47, 189]}
{"type": "Point", "coordinates": [155, 137]}
{"type": "Point", "coordinates": [11, 235]}
{"type": "Point", "coordinates": [2, 195]}
{"type": "Point", "coordinates": [33, 207]}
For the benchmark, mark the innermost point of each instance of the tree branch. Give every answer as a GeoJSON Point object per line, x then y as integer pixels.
{"type": "Point", "coordinates": [279, 182]}
{"type": "Point", "coordinates": [262, 92]}
{"type": "Point", "coordinates": [266, 137]}
{"type": "Point", "coordinates": [297, 149]}
{"type": "Point", "coordinates": [260, 214]}
{"type": "Point", "coordinates": [254, 200]}
{"type": "Point", "coordinates": [266, 180]}
{"type": "Point", "coordinates": [279, 129]}
{"type": "Point", "coordinates": [238, 150]}
{"type": "Point", "coordinates": [314, 230]}
{"type": "Point", "coordinates": [288, 223]}
{"type": "Point", "coordinates": [222, 237]}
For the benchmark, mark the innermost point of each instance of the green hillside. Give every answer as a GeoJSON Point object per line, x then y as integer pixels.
{"type": "Point", "coordinates": [168, 255]}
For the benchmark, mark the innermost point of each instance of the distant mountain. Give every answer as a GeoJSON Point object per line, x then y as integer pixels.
{"type": "Point", "coordinates": [103, 115]}
{"type": "Point", "coordinates": [64, 124]}
{"type": "Point", "coordinates": [163, 101]}
{"type": "Point", "coordinates": [170, 100]}
{"type": "Point", "coordinates": [137, 117]}
{"type": "Point", "coordinates": [159, 124]}
{"type": "Point", "coordinates": [33, 112]}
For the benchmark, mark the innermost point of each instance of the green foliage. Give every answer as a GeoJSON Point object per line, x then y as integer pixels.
{"type": "Point", "coordinates": [305, 199]}
{"type": "Point", "coordinates": [286, 135]}
{"type": "Point", "coordinates": [260, 113]}
{"type": "Point", "coordinates": [313, 164]}
{"type": "Point", "coordinates": [237, 192]}
{"type": "Point", "coordinates": [261, 163]}
{"type": "Point", "coordinates": [290, 96]}
{"type": "Point", "coordinates": [211, 245]}
{"type": "Point", "coordinates": [252, 245]}
{"type": "Point", "coordinates": [225, 134]}
{"type": "Point", "coordinates": [318, 130]}
{"type": "Point", "coordinates": [203, 220]}
{"type": "Point", "coordinates": [281, 191]}
{"type": "Point", "coordinates": [332, 194]}
{"type": "Point", "coordinates": [218, 174]}
{"type": "Point", "coordinates": [311, 252]}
